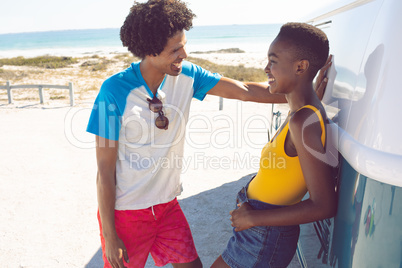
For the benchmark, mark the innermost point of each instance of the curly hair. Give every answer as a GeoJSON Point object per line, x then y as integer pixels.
{"type": "Point", "coordinates": [310, 43]}
{"type": "Point", "coordinates": [149, 25]}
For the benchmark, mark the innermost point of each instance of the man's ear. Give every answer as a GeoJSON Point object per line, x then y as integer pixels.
{"type": "Point", "coordinates": [302, 66]}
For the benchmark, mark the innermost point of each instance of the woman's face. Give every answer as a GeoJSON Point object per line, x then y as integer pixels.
{"type": "Point", "coordinates": [282, 66]}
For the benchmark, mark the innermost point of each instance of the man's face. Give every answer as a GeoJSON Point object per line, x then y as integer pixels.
{"type": "Point", "coordinates": [281, 67]}
{"type": "Point", "coordinates": [169, 61]}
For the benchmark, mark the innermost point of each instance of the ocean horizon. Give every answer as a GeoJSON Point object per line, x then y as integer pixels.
{"type": "Point", "coordinates": [253, 38]}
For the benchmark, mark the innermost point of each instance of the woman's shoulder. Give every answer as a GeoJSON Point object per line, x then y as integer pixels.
{"type": "Point", "coordinates": [309, 110]}
{"type": "Point", "coordinates": [305, 116]}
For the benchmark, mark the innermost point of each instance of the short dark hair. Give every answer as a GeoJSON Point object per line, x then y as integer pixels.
{"type": "Point", "coordinates": [149, 25]}
{"type": "Point", "coordinates": [310, 43]}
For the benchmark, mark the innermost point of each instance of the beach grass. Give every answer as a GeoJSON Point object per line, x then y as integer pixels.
{"type": "Point", "coordinates": [97, 63]}
{"type": "Point", "coordinates": [240, 73]}
{"type": "Point", "coordinates": [48, 62]}
{"type": "Point", "coordinates": [88, 73]}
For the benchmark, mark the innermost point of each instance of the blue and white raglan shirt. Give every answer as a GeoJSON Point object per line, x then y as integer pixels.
{"type": "Point", "coordinates": [149, 159]}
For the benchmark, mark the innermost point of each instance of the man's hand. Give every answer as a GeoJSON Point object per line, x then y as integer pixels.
{"type": "Point", "coordinates": [116, 252]}
{"type": "Point", "coordinates": [241, 217]}
{"type": "Point", "coordinates": [322, 80]}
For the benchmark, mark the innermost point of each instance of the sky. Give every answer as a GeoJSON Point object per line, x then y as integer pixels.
{"type": "Point", "coordinates": [48, 15]}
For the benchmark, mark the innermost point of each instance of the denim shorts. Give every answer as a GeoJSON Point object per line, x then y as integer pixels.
{"type": "Point", "coordinates": [261, 246]}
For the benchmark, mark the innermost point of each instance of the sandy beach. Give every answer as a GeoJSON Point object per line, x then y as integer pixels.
{"type": "Point", "coordinates": [48, 194]}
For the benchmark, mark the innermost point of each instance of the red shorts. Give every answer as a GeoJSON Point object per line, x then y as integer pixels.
{"type": "Point", "coordinates": [161, 230]}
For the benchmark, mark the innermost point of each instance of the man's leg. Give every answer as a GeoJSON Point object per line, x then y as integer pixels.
{"type": "Point", "coordinates": [137, 231]}
{"type": "Point", "coordinates": [194, 264]}
{"type": "Point", "coordinates": [174, 242]}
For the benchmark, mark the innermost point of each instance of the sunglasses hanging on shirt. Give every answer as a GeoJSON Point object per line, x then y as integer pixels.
{"type": "Point", "coordinates": [156, 106]}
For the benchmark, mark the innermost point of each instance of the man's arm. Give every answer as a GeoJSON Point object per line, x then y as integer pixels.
{"type": "Point", "coordinates": [259, 92]}
{"type": "Point", "coordinates": [106, 155]}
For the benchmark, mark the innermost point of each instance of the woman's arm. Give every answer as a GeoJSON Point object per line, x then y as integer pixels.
{"type": "Point", "coordinates": [318, 176]}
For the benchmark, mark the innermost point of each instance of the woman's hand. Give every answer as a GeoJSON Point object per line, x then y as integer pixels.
{"type": "Point", "coordinates": [322, 80]}
{"type": "Point", "coordinates": [242, 217]}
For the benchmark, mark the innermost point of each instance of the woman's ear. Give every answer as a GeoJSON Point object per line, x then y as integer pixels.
{"type": "Point", "coordinates": [302, 66]}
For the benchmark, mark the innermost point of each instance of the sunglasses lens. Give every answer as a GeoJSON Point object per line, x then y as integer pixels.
{"type": "Point", "coordinates": [162, 122]}
{"type": "Point", "coordinates": [155, 105]}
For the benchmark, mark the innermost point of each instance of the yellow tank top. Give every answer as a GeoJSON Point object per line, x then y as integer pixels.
{"type": "Point", "coordinates": [280, 179]}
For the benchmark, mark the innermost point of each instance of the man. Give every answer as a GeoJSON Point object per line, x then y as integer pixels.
{"type": "Point", "coordinates": [139, 118]}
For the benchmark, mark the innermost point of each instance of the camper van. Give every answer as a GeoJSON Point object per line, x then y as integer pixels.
{"type": "Point", "coordinates": [363, 99]}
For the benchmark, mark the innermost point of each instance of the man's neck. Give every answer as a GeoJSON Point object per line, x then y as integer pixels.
{"type": "Point", "coordinates": [153, 78]}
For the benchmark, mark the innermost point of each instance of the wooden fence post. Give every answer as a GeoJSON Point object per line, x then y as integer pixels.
{"type": "Point", "coordinates": [9, 93]}
{"type": "Point", "coordinates": [41, 94]}
{"type": "Point", "coordinates": [71, 89]}
{"type": "Point", "coordinates": [220, 103]}
{"type": "Point", "coordinates": [10, 87]}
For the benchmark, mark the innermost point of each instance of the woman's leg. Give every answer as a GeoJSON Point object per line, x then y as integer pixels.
{"type": "Point", "coordinates": [220, 263]}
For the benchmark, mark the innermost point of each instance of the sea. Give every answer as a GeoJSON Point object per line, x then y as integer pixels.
{"type": "Point", "coordinates": [249, 38]}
